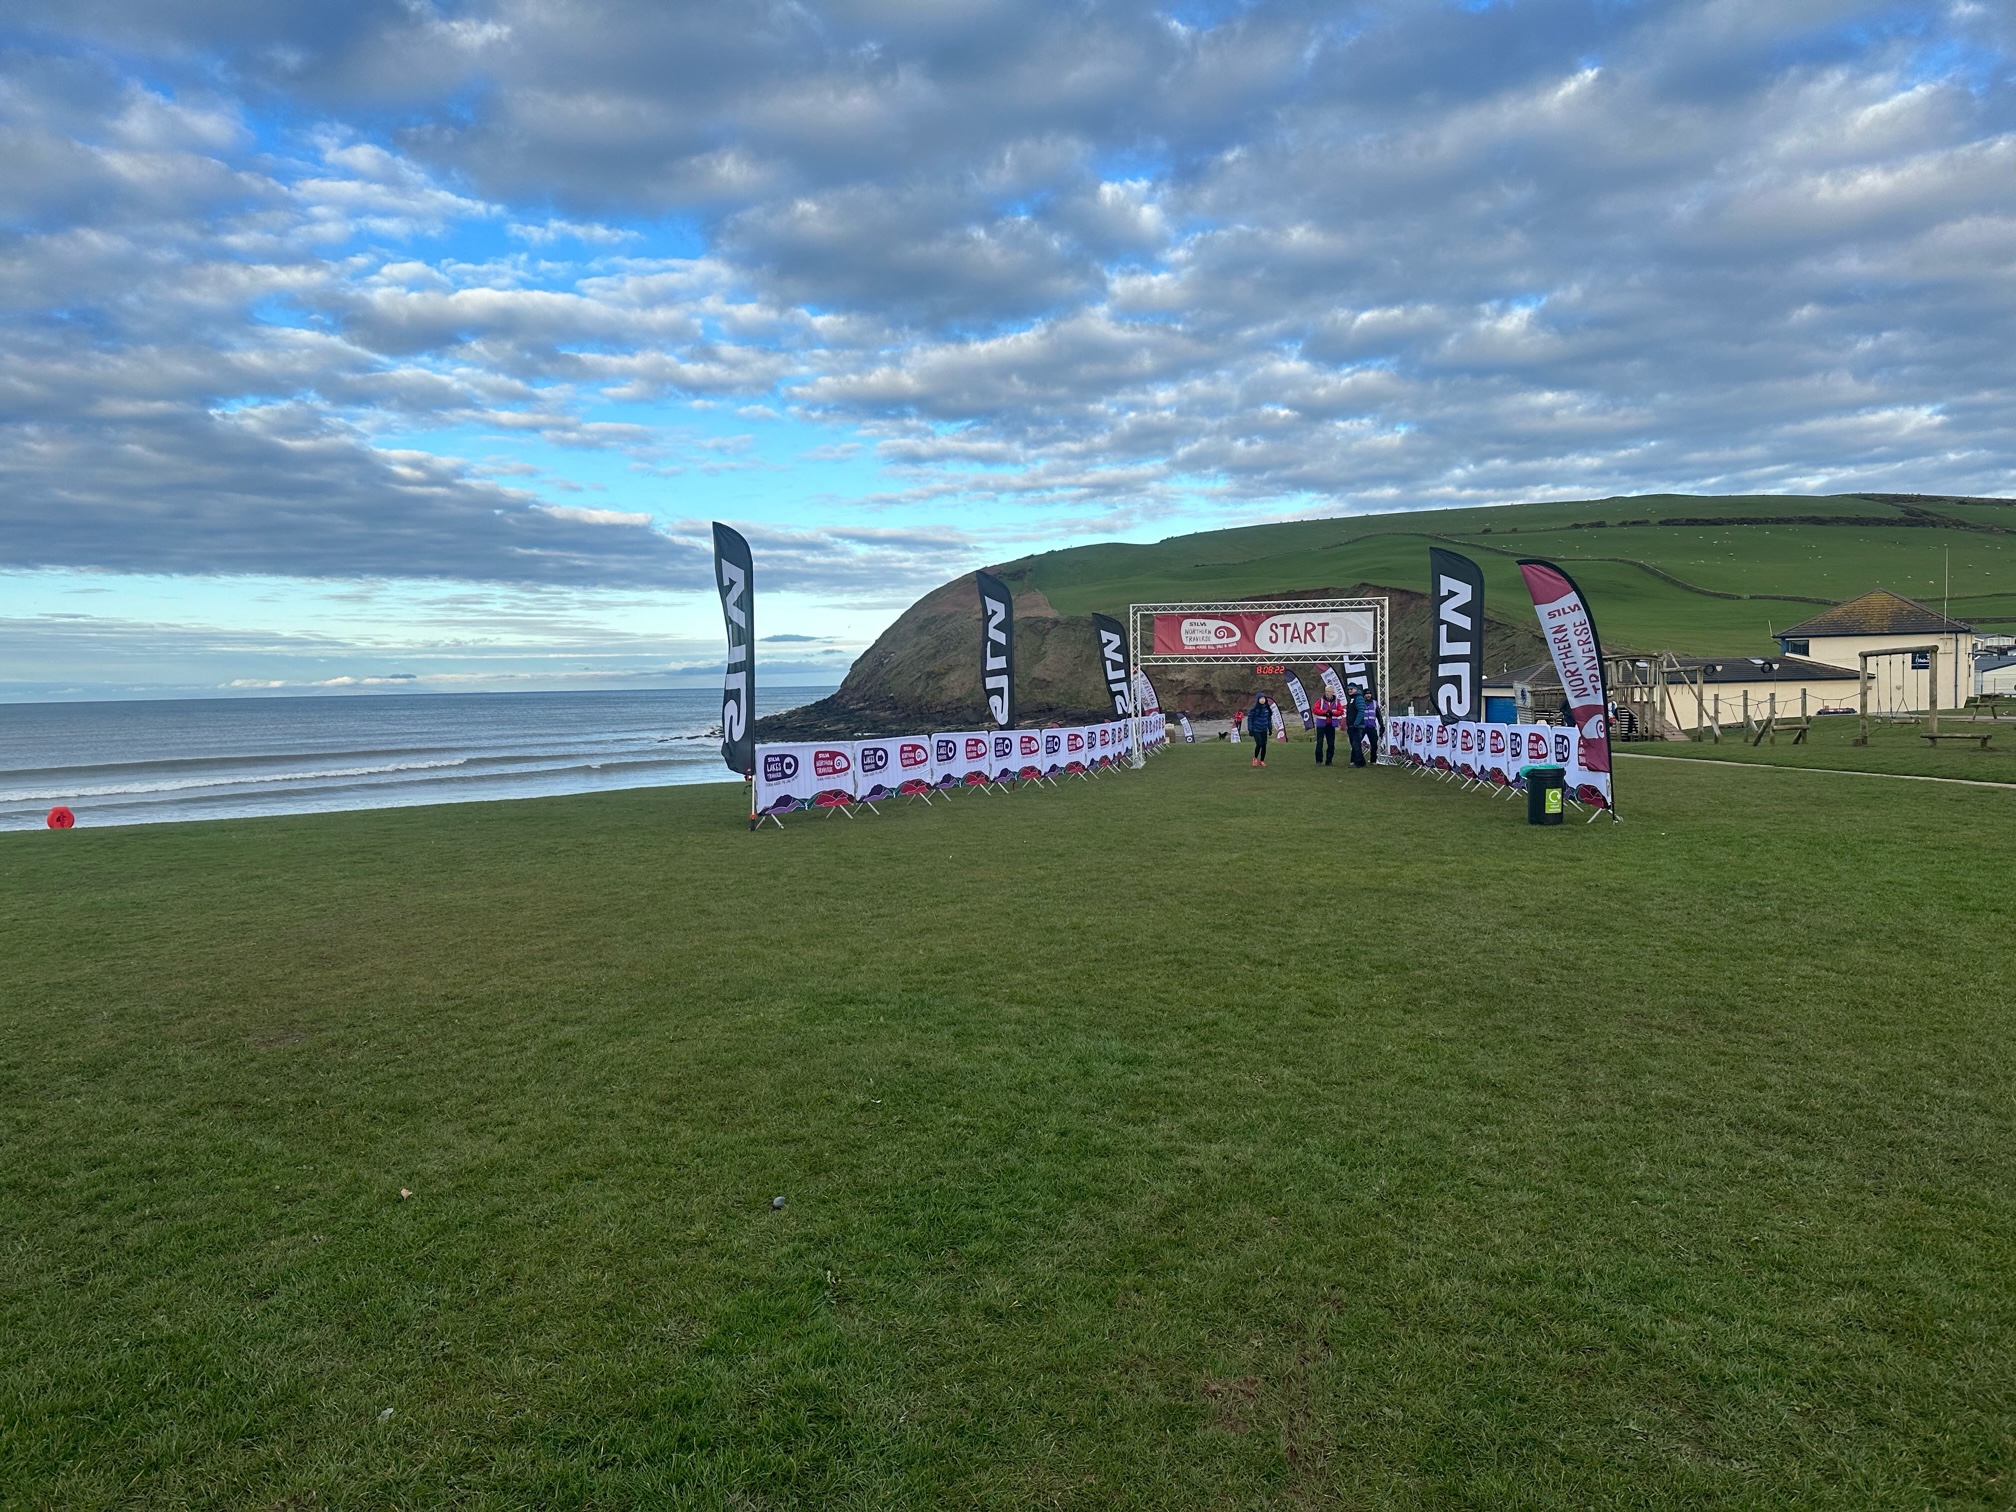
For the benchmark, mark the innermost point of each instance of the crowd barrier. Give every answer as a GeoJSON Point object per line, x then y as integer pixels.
{"type": "Point", "coordinates": [845, 774]}
{"type": "Point", "coordinates": [1492, 755]}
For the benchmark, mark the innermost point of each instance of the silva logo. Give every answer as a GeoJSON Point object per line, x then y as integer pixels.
{"type": "Point", "coordinates": [732, 580]}
{"type": "Point", "coordinates": [1455, 647]}
{"type": "Point", "coordinates": [1074, 741]}
{"type": "Point", "coordinates": [1052, 743]}
{"type": "Point", "coordinates": [911, 754]}
{"type": "Point", "coordinates": [976, 748]}
{"type": "Point", "coordinates": [1004, 746]}
{"type": "Point", "coordinates": [947, 751]}
{"type": "Point", "coordinates": [997, 668]}
{"type": "Point", "coordinates": [874, 759]}
{"type": "Point", "coordinates": [830, 763]}
{"type": "Point", "coordinates": [779, 766]}
{"type": "Point", "coordinates": [1030, 744]}
{"type": "Point", "coordinates": [1200, 635]}
{"type": "Point", "coordinates": [1113, 657]}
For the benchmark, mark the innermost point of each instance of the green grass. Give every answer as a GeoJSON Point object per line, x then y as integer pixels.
{"type": "Point", "coordinates": [1893, 747]}
{"type": "Point", "coordinates": [1653, 586]}
{"type": "Point", "coordinates": [1205, 1138]}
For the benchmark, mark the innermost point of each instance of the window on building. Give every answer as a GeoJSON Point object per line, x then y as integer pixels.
{"type": "Point", "coordinates": [1796, 647]}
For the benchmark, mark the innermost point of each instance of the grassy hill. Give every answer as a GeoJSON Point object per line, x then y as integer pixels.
{"type": "Point", "coordinates": [1203, 1137]}
{"type": "Point", "coordinates": [1701, 576]}
{"type": "Point", "coordinates": [1663, 571]}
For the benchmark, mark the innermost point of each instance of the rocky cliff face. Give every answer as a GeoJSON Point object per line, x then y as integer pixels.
{"type": "Point", "coordinates": [923, 672]}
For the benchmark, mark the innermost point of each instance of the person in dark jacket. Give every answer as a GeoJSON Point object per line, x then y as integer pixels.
{"type": "Point", "coordinates": [1354, 724]}
{"type": "Point", "coordinates": [1260, 724]}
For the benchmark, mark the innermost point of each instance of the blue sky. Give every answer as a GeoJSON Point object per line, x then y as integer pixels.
{"type": "Point", "coordinates": [412, 345]}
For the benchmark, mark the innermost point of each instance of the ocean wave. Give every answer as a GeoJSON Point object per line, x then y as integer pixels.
{"type": "Point", "coordinates": [192, 783]}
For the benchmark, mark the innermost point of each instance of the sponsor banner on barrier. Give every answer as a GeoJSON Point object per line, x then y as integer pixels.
{"type": "Point", "coordinates": [805, 774]}
{"type": "Point", "coordinates": [1001, 760]}
{"type": "Point", "coordinates": [1028, 754]}
{"type": "Point", "coordinates": [1239, 635]}
{"type": "Point", "coordinates": [959, 757]}
{"type": "Point", "coordinates": [881, 767]}
{"type": "Point", "coordinates": [791, 776]}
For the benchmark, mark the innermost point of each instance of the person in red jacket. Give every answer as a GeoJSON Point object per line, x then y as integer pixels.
{"type": "Point", "coordinates": [1328, 713]}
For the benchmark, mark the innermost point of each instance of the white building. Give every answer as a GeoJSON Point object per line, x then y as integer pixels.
{"type": "Point", "coordinates": [1886, 621]}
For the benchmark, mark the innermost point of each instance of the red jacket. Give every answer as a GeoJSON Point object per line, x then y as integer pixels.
{"type": "Point", "coordinates": [1328, 712]}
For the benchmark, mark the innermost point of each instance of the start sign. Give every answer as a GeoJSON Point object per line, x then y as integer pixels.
{"type": "Point", "coordinates": [1238, 635]}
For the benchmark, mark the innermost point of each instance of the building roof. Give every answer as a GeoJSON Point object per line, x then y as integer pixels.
{"type": "Point", "coordinates": [1539, 672]}
{"type": "Point", "coordinates": [1879, 613]}
{"type": "Point", "coordinates": [1751, 669]}
{"type": "Point", "coordinates": [1791, 670]}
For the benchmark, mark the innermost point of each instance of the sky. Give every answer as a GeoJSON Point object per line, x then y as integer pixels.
{"type": "Point", "coordinates": [412, 345]}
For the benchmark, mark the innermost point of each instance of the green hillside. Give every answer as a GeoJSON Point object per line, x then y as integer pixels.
{"type": "Point", "coordinates": [1664, 571]}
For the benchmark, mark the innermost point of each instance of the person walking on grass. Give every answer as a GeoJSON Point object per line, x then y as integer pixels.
{"type": "Point", "coordinates": [1354, 724]}
{"type": "Point", "coordinates": [1259, 724]}
{"type": "Point", "coordinates": [1372, 729]}
{"type": "Point", "coordinates": [1328, 712]}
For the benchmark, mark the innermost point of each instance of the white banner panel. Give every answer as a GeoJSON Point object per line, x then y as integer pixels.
{"type": "Point", "coordinates": [1053, 751]}
{"type": "Point", "coordinates": [959, 757]}
{"type": "Point", "coordinates": [791, 776]}
{"type": "Point", "coordinates": [1001, 755]}
{"type": "Point", "coordinates": [1028, 753]}
{"type": "Point", "coordinates": [882, 766]}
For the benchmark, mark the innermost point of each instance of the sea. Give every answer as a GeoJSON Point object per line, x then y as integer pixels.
{"type": "Point", "coordinates": [165, 761]}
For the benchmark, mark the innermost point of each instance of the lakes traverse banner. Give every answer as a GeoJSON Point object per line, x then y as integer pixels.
{"type": "Point", "coordinates": [735, 580]}
{"type": "Point", "coordinates": [1570, 631]}
{"type": "Point", "coordinates": [1241, 635]}
{"type": "Point", "coordinates": [1146, 701]}
{"type": "Point", "coordinates": [1113, 661]}
{"type": "Point", "coordinates": [997, 648]}
{"type": "Point", "coordinates": [1456, 584]}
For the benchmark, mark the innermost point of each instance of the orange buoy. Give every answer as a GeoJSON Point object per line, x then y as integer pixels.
{"type": "Point", "coordinates": [61, 818]}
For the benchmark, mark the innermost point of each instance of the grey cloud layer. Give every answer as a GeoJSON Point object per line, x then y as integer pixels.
{"type": "Point", "coordinates": [1097, 260]}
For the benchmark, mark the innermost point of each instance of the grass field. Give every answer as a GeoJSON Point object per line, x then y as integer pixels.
{"type": "Point", "coordinates": [1894, 748]}
{"type": "Point", "coordinates": [1750, 564]}
{"type": "Point", "coordinates": [1203, 1138]}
